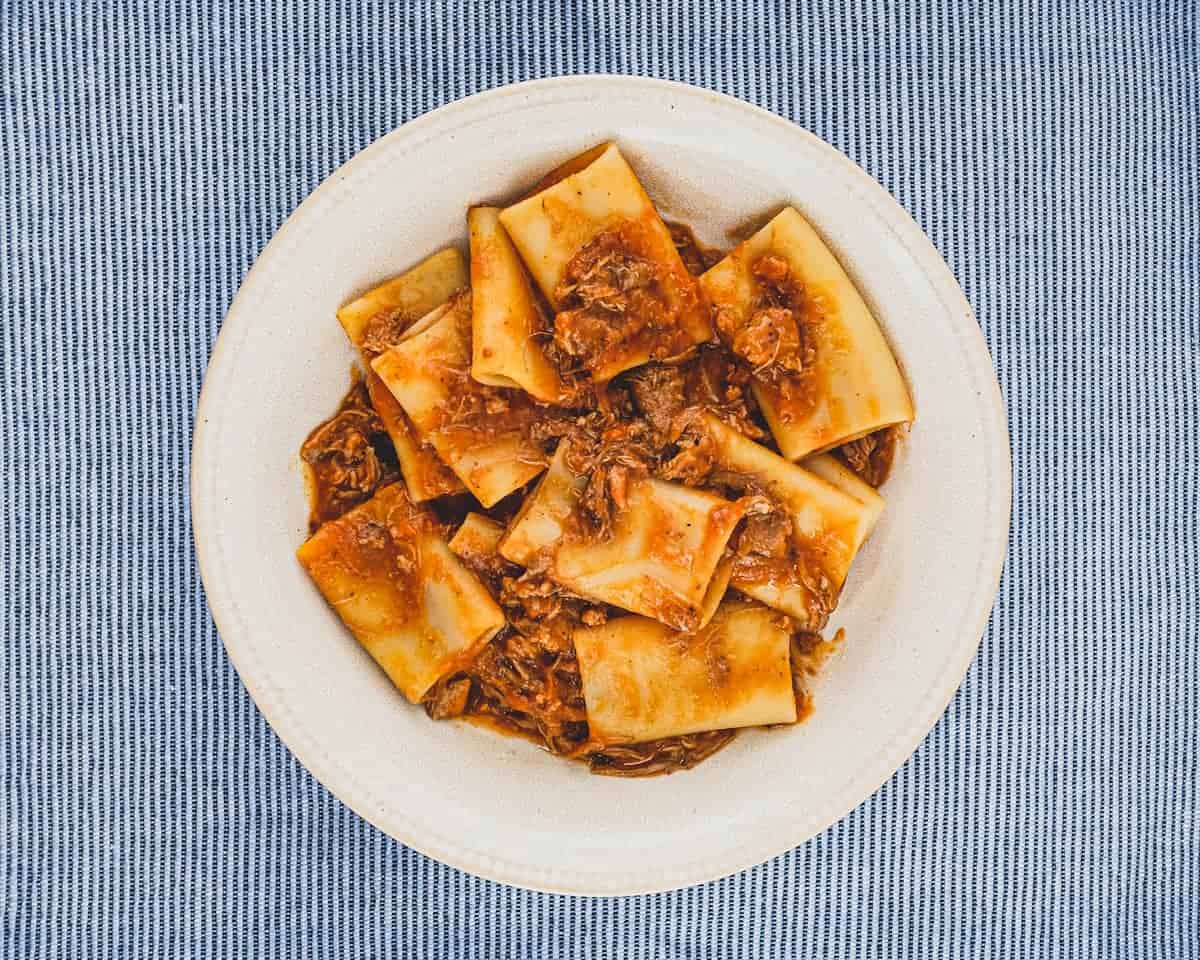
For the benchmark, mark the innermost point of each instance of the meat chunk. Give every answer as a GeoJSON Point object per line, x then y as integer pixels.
{"type": "Point", "coordinates": [658, 391]}
{"type": "Point", "coordinates": [696, 458]}
{"type": "Point", "coordinates": [765, 534]}
{"type": "Point", "coordinates": [764, 550]}
{"type": "Point", "coordinates": [448, 698]}
{"type": "Point", "coordinates": [595, 509]}
{"type": "Point", "coordinates": [871, 456]}
{"type": "Point", "coordinates": [587, 332]}
{"type": "Point", "coordinates": [769, 339]}
{"type": "Point", "coordinates": [594, 617]}
{"type": "Point", "coordinates": [771, 336]}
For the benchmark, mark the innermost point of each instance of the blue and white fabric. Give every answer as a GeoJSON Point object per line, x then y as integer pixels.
{"type": "Point", "coordinates": [147, 153]}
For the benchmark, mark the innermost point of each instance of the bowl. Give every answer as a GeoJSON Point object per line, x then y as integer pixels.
{"type": "Point", "coordinates": [913, 609]}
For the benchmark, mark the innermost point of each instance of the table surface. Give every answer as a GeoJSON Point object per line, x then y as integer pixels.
{"type": "Point", "coordinates": [148, 152]}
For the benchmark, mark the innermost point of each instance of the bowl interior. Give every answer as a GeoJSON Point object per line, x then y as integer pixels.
{"type": "Point", "coordinates": [913, 608]}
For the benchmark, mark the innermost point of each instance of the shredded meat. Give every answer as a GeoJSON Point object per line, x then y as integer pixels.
{"type": "Point", "coordinates": [871, 456]}
{"type": "Point", "coordinates": [588, 332]}
{"type": "Point", "coordinates": [610, 453]}
{"type": "Point", "coordinates": [695, 257]}
{"type": "Point", "coordinates": [350, 456]}
{"type": "Point", "coordinates": [547, 431]}
{"type": "Point", "coordinates": [606, 274]}
{"type": "Point", "coordinates": [529, 682]}
{"type": "Point", "coordinates": [482, 413]}
{"type": "Point", "coordinates": [709, 379]}
{"type": "Point", "coordinates": [769, 338]}
{"type": "Point", "coordinates": [780, 308]}
{"type": "Point", "coordinates": [770, 341]}
{"type": "Point", "coordinates": [596, 509]}
{"type": "Point", "coordinates": [764, 549]}
{"type": "Point", "coordinates": [448, 698]}
{"type": "Point", "coordinates": [659, 756]}
{"type": "Point", "coordinates": [766, 534]}
{"type": "Point", "coordinates": [658, 391]}
{"type": "Point", "coordinates": [696, 459]}
{"type": "Point", "coordinates": [532, 594]}
{"type": "Point", "coordinates": [611, 296]}
{"type": "Point", "coordinates": [384, 331]}
{"type": "Point", "coordinates": [719, 384]}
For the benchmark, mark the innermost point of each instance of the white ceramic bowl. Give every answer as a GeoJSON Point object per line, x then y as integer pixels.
{"type": "Point", "coordinates": [915, 605]}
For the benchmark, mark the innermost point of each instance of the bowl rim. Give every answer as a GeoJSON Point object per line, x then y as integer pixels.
{"type": "Point", "coordinates": [904, 741]}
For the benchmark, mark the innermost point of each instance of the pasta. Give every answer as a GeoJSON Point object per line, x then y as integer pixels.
{"type": "Point", "coordinates": [643, 681]}
{"type": "Point", "coordinates": [391, 578]}
{"type": "Point", "coordinates": [606, 263]}
{"type": "Point", "coordinates": [659, 559]}
{"type": "Point", "coordinates": [603, 488]}
{"type": "Point", "coordinates": [427, 372]}
{"type": "Point", "coordinates": [829, 513]}
{"type": "Point", "coordinates": [507, 323]}
{"type": "Point", "coordinates": [477, 539]}
{"type": "Point", "coordinates": [835, 381]}
{"type": "Point", "coordinates": [378, 319]}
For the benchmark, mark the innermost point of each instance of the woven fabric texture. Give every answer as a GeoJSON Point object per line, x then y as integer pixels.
{"type": "Point", "coordinates": [147, 154]}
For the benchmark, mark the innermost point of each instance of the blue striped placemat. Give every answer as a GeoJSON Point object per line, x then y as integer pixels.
{"type": "Point", "coordinates": [148, 152]}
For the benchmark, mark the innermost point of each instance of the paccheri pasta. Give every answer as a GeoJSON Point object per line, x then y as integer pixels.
{"type": "Point", "coordinates": [602, 487]}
